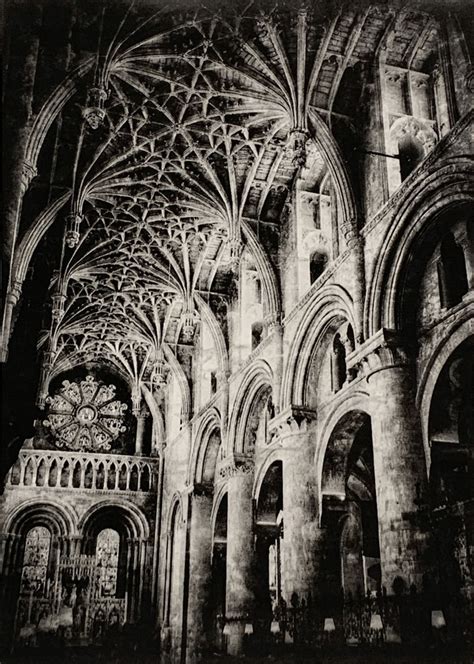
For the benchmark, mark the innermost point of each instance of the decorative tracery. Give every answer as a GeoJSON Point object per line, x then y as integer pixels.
{"type": "Point", "coordinates": [35, 561]}
{"type": "Point", "coordinates": [107, 558]}
{"type": "Point", "coordinates": [194, 126]}
{"type": "Point", "coordinates": [85, 415]}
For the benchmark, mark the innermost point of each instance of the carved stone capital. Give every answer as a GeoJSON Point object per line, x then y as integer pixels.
{"type": "Point", "coordinates": [293, 420]}
{"type": "Point", "coordinates": [382, 351]}
{"type": "Point", "coordinates": [13, 294]}
{"type": "Point", "coordinates": [28, 172]}
{"type": "Point", "coordinates": [235, 465]}
{"type": "Point", "coordinates": [272, 321]}
{"type": "Point", "coordinates": [350, 233]}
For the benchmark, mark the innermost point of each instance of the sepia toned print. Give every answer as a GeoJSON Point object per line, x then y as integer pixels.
{"type": "Point", "coordinates": [237, 333]}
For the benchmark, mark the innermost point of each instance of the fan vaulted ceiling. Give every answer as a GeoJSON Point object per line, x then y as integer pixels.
{"type": "Point", "coordinates": [188, 128]}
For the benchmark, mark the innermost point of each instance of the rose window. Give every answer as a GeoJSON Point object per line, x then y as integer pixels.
{"type": "Point", "coordinates": [85, 415]}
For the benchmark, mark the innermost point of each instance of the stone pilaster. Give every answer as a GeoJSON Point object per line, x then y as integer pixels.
{"type": "Point", "coordinates": [468, 250]}
{"type": "Point", "coordinates": [199, 572]}
{"type": "Point", "coordinates": [240, 596]}
{"type": "Point", "coordinates": [399, 461]}
{"type": "Point", "coordinates": [301, 532]}
{"type": "Point", "coordinates": [11, 300]}
{"type": "Point", "coordinates": [355, 243]}
{"type": "Point", "coordinates": [141, 418]}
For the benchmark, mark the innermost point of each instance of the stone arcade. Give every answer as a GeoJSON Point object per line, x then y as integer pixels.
{"type": "Point", "coordinates": [238, 328]}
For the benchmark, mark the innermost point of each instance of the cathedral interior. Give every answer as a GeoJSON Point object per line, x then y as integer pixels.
{"type": "Point", "coordinates": [238, 331]}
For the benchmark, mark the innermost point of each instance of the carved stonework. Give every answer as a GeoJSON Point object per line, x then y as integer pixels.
{"type": "Point", "coordinates": [350, 233]}
{"type": "Point", "coordinates": [85, 415]}
{"type": "Point", "coordinates": [28, 172]}
{"type": "Point", "coordinates": [293, 420]}
{"type": "Point", "coordinates": [381, 351]}
{"type": "Point", "coordinates": [94, 112]}
{"type": "Point", "coordinates": [409, 125]}
{"type": "Point", "coordinates": [299, 138]}
{"type": "Point", "coordinates": [235, 465]}
{"type": "Point", "coordinates": [72, 235]}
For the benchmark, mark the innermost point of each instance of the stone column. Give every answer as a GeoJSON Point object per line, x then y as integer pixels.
{"type": "Point", "coordinates": [240, 596]}
{"type": "Point", "coordinates": [199, 572]}
{"type": "Point", "coordinates": [11, 300]}
{"type": "Point", "coordinates": [355, 243]}
{"type": "Point", "coordinates": [468, 251]}
{"type": "Point", "coordinates": [141, 417]}
{"type": "Point", "coordinates": [301, 532]}
{"type": "Point", "coordinates": [399, 460]}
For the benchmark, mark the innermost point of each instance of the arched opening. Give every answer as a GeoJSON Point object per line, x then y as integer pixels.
{"type": "Point", "coordinates": [53, 473]}
{"type": "Point", "coordinates": [269, 544]}
{"type": "Point", "coordinates": [36, 562]}
{"type": "Point", "coordinates": [260, 413]}
{"type": "Point", "coordinates": [100, 477]}
{"type": "Point", "coordinates": [436, 273]}
{"type": "Point", "coordinates": [76, 475]}
{"type": "Point", "coordinates": [41, 473]}
{"type": "Point", "coordinates": [15, 474]}
{"type": "Point", "coordinates": [339, 368]}
{"type": "Point", "coordinates": [213, 382]}
{"type": "Point", "coordinates": [107, 560]}
{"type": "Point", "coordinates": [30, 570]}
{"type": "Point", "coordinates": [257, 333]}
{"type": "Point", "coordinates": [112, 565]}
{"type": "Point", "coordinates": [145, 479]}
{"type": "Point", "coordinates": [452, 276]}
{"type": "Point", "coordinates": [29, 473]}
{"type": "Point", "coordinates": [451, 436]}
{"type": "Point", "coordinates": [317, 264]}
{"type": "Point", "coordinates": [88, 476]}
{"type": "Point", "coordinates": [451, 429]}
{"type": "Point", "coordinates": [411, 153]}
{"type": "Point", "coordinates": [351, 563]}
{"type": "Point", "coordinates": [111, 476]}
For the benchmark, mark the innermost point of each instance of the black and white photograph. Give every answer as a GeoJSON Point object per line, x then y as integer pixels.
{"type": "Point", "coordinates": [237, 341]}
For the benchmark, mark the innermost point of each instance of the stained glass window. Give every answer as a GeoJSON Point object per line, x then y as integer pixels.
{"type": "Point", "coordinates": [35, 560]}
{"type": "Point", "coordinates": [107, 556]}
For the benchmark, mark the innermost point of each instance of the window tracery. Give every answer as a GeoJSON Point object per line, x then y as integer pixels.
{"type": "Point", "coordinates": [35, 561]}
{"type": "Point", "coordinates": [107, 557]}
{"type": "Point", "coordinates": [85, 415]}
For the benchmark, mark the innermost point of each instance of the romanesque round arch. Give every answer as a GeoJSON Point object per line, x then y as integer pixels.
{"type": "Point", "coordinates": [358, 401]}
{"type": "Point", "coordinates": [219, 495]}
{"type": "Point", "coordinates": [269, 279]}
{"type": "Point", "coordinates": [209, 317]}
{"type": "Point", "coordinates": [327, 305]}
{"type": "Point", "coordinates": [460, 331]}
{"type": "Point", "coordinates": [207, 426]}
{"type": "Point", "coordinates": [60, 518]}
{"type": "Point", "coordinates": [261, 471]}
{"type": "Point", "coordinates": [259, 377]}
{"type": "Point", "coordinates": [430, 194]}
{"type": "Point", "coordinates": [131, 516]}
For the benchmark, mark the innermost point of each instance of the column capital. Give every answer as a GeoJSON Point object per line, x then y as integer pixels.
{"type": "Point", "coordinates": [351, 233]}
{"type": "Point", "coordinates": [236, 464]}
{"type": "Point", "coordinates": [384, 350]}
{"type": "Point", "coordinates": [14, 292]}
{"type": "Point", "coordinates": [28, 172]}
{"type": "Point", "coordinates": [293, 420]}
{"type": "Point", "coordinates": [272, 320]}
